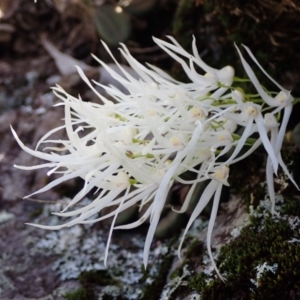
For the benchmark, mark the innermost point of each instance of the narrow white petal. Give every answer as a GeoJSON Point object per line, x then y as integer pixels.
{"type": "Point", "coordinates": [286, 116]}
{"type": "Point", "coordinates": [59, 180]}
{"type": "Point", "coordinates": [265, 141]}
{"type": "Point", "coordinates": [137, 223]}
{"type": "Point", "coordinates": [112, 226]}
{"type": "Point", "coordinates": [211, 223]}
{"type": "Point", "coordinates": [254, 80]}
{"type": "Point", "coordinates": [38, 154]}
{"type": "Point", "coordinates": [203, 201]}
{"type": "Point", "coordinates": [264, 71]}
{"type": "Point", "coordinates": [270, 184]}
{"type": "Point", "coordinates": [86, 80]}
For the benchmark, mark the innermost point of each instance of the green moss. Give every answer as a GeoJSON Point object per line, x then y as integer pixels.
{"type": "Point", "coordinates": [154, 290]}
{"type": "Point", "coordinates": [198, 282]}
{"type": "Point", "coordinates": [291, 207]}
{"type": "Point", "coordinates": [192, 256]}
{"type": "Point", "coordinates": [261, 241]}
{"type": "Point", "coordinates": [145, 272]}
{"type": "Point", "coordinates": [194, 248]}
{"type": "Point", "coordinates": [192, 260]}
{"type": "Point", "coordinates": [264, 240]}
{"type": "Point", "coordinates": [90, 280]}
{"type": "Point", "coordinates": [81, 294]}
{"type": "Point", "coordinates": [102, 278]}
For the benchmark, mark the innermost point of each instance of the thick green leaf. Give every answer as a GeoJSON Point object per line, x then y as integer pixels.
{"type": "Point", "coordinates": [139, 7]}
{"type": "Point", "coordinates": [113, 27]}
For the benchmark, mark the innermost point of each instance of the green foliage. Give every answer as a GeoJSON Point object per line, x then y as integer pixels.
{"type": "Point", "coordinates": [114, 22]}
{"type": "Point", "coordinates": [114, 27]}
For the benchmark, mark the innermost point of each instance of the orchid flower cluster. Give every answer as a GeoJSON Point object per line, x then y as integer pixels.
{"type": "Point", "coordinates": [134, 148]}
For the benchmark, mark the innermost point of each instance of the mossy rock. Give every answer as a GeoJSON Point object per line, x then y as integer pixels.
{"type": "Point", "coordinates": [80, 294]}
{"type": "Point", "coordinates": [263, 241]}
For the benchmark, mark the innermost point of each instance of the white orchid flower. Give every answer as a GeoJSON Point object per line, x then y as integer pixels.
{"type": "Point", "coordinates": [134, 148]}
{"type": "Point", "coordinates": [282, 101]}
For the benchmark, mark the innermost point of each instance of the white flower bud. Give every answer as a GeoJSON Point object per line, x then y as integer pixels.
{"type": "Point", "coordinates": [121, 180]}
{"type": "Point", "coordinates": [225, 75]}
{"type": "Point", "coordinates": [221, 175]}
{"type": "Point", "coordinates": [270, 121]}
{"type": "Point", "coordinates": [196, 113]}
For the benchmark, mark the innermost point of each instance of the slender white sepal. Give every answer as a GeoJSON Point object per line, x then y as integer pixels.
{"type": "Point", "coordinates": [133, 148]}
